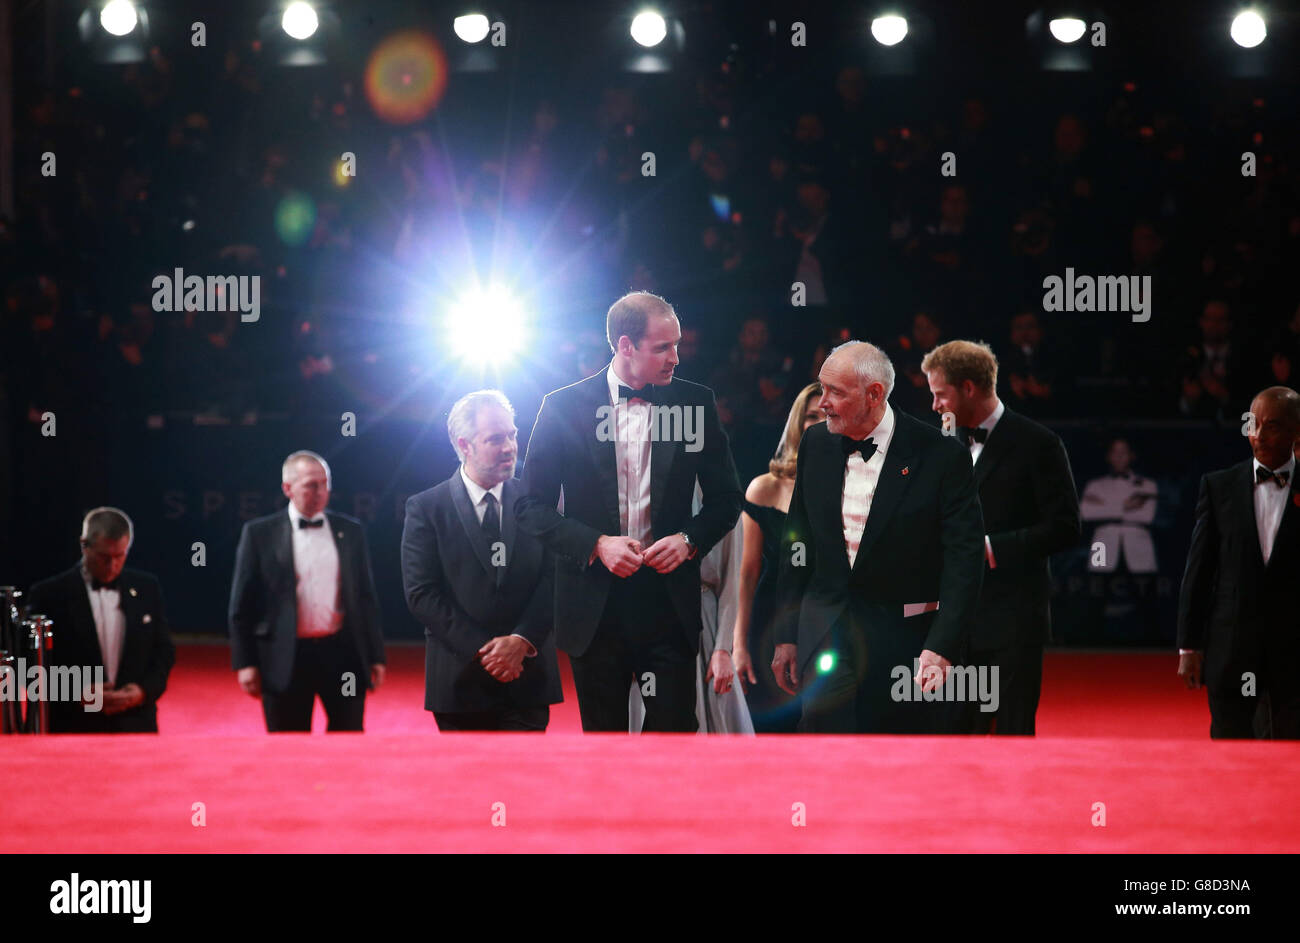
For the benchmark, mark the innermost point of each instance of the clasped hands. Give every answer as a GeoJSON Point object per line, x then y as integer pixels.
{"type": "Point", "coordinates": [623, 556]}
{"type": "Point", "coordinates": [503, 657]}
{"type": "Point", "coordinates": [120, 699]}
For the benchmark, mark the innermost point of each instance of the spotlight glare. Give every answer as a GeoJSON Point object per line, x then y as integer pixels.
{"type": "Point", "coordinates": [1248, 29]}
{"type": "Point", "coordinates": [299, 20]}
{"type": "Point", "coordinates": [826, 662]}
{"type": "Point", "coordinates": [889, 30]}
{"type": "Point", "coordinates": [1067, 29]}
{"type": "Point", "coordinates": [649, 28]}
{"type": "Point", "coordinates": [471, 28]}
{"type": "Point", "coordinates": [486, 326]}
{"type": "Point", "coordinates": [118, 17]}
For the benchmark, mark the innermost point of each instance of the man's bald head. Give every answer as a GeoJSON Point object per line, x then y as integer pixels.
{"type": "Point", "coordinates": [1275, 414]}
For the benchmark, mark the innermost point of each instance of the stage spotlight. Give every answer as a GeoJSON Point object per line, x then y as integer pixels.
{"type": "Point", "coordinates": [118, 17]}
{"type": "Point", "coordinates": [1067, 29]}
{"type": "Point", "coordinates": [299, 20]}
{"type": "Point", "coordinates": [889, 30]}
{"type": "Point", "coordinates": [649, 28]}
{"type": "Point", "coordinates": [472, 27]}
{"type": "Point", "coordinates": [486, 327]}
{"type": "Point", "coordinates": [1248, 29]}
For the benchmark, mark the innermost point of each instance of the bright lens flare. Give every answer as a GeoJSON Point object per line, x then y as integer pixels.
{"type": "Point", "coordinates": [299, 20]}
{"type": "Point", "coordinates": [118, 17]}
{"type": "Point", "coordinates": [471, 28]}
{"type": "Point", "coordinates": [1067, 29]}
{"type": "Point", "coordinates": [1248, 29]}
{"type": "Point", "coordinates": [825, 662]}
{"type": "Point", "coordinates": [405, 77]}
{"type": "Point", "coordinates": [649, 29]}
{"type": "Point", "coordinates": [486, 327]}
{"type": "Point", "coordinates": [889, 30]}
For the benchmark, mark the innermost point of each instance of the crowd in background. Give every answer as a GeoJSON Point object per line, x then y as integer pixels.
{"type": "Point", "coordinates": [760, 182]}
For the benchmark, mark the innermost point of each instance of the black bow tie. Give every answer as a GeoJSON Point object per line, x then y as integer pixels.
{"type": "Point", "coordinates": [867, 447]}
{"type": "Point", "coordinates": [111, 584]}
{"type": "Point", "coordinates": [303, 522]}
{"type": "Point", "coordinates": [973, 434]}
{"type": "Point", "coordinates": [646, 393]}
{"type": "Point", "coordinates": [1263, 474]}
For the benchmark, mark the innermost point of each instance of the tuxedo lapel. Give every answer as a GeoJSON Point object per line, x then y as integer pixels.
{"type": "Point", "coordinates": [469, 520]}
{"type": "Point", "coordinates": [346, 570]}
{"type": "Point", "coordinates": [282, 547]}
{"type": "Point", "coordinates": [1288, 529]}
{"type": "Point", "coordinates": [1243, 509]}
{"type": "Point", "coordinates": [828, 502]}
{"type": "Point", "coordinates": [509, 495]}
{"type": "Point", "coordinates": [996, 446]}
{"type": "Point", "coordinates": [889, 488]}
{"type": "Point", "coordinates": [602, 447]}
{"type": "Point", "coordinates": [663, 449]}
{"type": "Point", "coordinates": [83, 620]}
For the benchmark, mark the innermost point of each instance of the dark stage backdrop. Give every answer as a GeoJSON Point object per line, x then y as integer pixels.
{"type": "Point", "coordinates": [184, 484]}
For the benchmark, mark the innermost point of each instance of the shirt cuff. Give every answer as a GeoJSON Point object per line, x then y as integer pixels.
{"type": "Point", "coordinates": [532, 649]}
{"type": "Point", "coordinates": [988, 553]}
{"type": "Point", "coordinates": [1189, 651]}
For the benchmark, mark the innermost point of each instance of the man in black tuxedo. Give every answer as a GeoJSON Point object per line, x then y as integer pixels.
{"type": "Point", "coordinates": [626, 447]}
{"type": "Point", "coordinates": [881, 561]}
{"type": "Point", "coordinates": [482, 589]}
{"type": "Point", "coordinates": [304, 618]}
{"type": "Point", "coordinates": [1239, 610]}
{"type": "Point", "coordinates": [110, 618]}
{"type": "Point", "coordinates": [1031, 511]}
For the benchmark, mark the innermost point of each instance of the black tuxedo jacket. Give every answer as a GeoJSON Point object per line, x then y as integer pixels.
{"type": "Point", "coordinates": [566, 452]}
{"type": "Point", "coordinates": [264, 602]}
{"type": "Point", "coordinates": [460, 595]}
{"type": "Point", "coordinates": [147, 650]}
{"type": "Point", "coordinates": [1031, 510]}
{"type": "Point", "coordinates": [923, 541]}
{"type": "Point", "coordinates": [1244, 615]}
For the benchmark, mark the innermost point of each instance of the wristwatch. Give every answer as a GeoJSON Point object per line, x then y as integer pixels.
{"type": "Point", "coordinates": [690, 544]}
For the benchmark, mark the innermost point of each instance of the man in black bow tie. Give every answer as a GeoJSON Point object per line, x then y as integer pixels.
{"type": "Point", "coordinates": [627, 547]}
{"type": "Point", "coordinates": [304, 617]}
{"type": "Point", "coordinates": [107, 617]}
{"type": "Point", "coordinates": [881, 563]}
{"type": "Point", "coordinates": [1238, 622]}
{"type": "Point", "coordinates": [1030, 511]}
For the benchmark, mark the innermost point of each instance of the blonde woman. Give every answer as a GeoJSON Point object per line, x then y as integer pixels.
{"type": "Point", "coordinates": [767, 499]}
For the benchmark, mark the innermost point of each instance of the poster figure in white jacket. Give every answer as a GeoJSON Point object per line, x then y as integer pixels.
{"type": "Point", "coordinates": [1123, 505]}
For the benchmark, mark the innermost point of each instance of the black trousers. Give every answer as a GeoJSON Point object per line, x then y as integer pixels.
{"type": "Point", "coordinates": [319, 669]}
{"type": "Point", "coordinates": [860, 680]}
{"type": "Point", "coordinates": [507, 718]}
{"type": "Point", "coordinates": [1019, 686]}
{"type": "Point", "coordinates": [639, 639]}
{"type": "Point", "coordinates": [1270, 715]}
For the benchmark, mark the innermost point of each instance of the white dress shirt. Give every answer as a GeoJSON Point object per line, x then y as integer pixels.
{"type": "Point", "coordinates": [632, 455]}
{"type": "Point", "coordinates": [477, 494]}
{"type": "Point", "coordinates": [110, 625]}
{"type": "Point", "coordinates": [860, 480]}
{"type": "Point", "coordinates": [316, 566]}
{"type": "Point", "coordinates": [1270, 503]}
{"type": "Point", "coordinates": [976, 449]}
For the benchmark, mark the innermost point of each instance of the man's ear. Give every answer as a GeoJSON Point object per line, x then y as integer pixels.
{"type": "Point", "coordinates": [625, 345]}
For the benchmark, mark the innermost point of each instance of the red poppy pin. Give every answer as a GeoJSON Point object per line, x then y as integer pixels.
{"type": "Point", "coordinates": [905, 472]}
{"type": "Point", "coordinates": [1295, 498]}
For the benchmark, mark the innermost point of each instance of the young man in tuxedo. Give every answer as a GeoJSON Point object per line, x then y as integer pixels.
{"type": "Point", "coordinates": [304, 617]}
{"type": "Point", "coordinates": [111, 617]}
{"type": "Point", "coordinates": [1030, 511]}
{"type": "Point", "coordinates": [1239, 609]}
{"type": "Point", "coordinates": [482, 589]}
{"type": "Point", "coordinates": [626, 447]}
{"type": "Point", "coordinates": [882, 560]}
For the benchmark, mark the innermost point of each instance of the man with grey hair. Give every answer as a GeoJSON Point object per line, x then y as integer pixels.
{"type": "Point", "coordinates": [304, 616]}
{"type": "Point", "coordinates": [107, 618]}
{"type": "Point", "coordinates": [480, 587]}
{"type": "Point", "coordinates": [882, 560]}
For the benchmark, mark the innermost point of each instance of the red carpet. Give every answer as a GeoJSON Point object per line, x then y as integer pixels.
{"type": "Point", "coordinates": [1113, 729]}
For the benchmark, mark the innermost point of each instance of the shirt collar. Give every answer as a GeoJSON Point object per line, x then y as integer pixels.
{"type": "Point", "coordinates": [295, 516]}
{"type": "Point", "coordinates": [477, 491]}
{"type": "Point", "coordinates": [884, 431]}
{"type": "Point", "coordinates": [615, 381]}
{"type": "Point", "coordinates": [1288, 466]}
{"type": "Point", "coordinates": [993, 417]}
